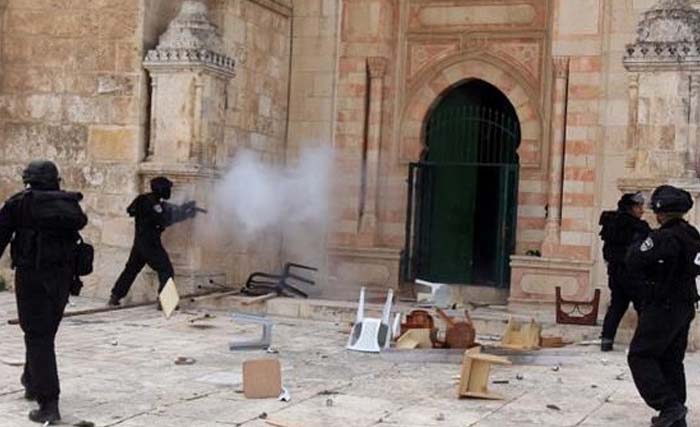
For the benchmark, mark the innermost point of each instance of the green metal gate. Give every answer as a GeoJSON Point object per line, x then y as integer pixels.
{"type": "Point", "coordinates": [461, 213]}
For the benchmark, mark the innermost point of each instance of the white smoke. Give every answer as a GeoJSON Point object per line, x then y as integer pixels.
{"type": "Point", "coordinates": [255, 196]}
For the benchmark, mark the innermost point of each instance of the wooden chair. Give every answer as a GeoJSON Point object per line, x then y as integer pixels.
{"type": "Point", "coordinates": [521, 337]}
{"type": "Point", "coordinates": [474, 379]}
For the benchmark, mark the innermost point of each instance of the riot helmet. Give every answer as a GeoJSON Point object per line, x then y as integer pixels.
{"type": "Point", "coordinates": [162, 187]}
{"type": "Point", "coordinates": [41, 175]}
{"type": "Point", "coordinates": [667, 198]}
{"type": "Point", "coordinates": [630, 199]}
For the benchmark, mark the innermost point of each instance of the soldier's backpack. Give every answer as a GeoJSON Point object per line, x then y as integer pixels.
{"type": "Point", "coordinates": [51, 237]}
{"type": "Point", "coordinates": [691, 252]}
{"type": "Point", "coordinates": [56, 210]}
{"type": "Point", "coordinates": [610, 234]}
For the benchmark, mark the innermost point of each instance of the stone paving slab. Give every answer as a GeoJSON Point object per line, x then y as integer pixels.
{"type": "Point", "coordinates": [117, 370]}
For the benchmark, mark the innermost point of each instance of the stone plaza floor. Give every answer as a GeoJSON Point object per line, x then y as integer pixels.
{"type": "Point", "coordinates": [117, 369]}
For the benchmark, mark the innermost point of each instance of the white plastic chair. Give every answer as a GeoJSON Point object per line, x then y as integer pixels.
{"type": "Point", "coordinates": [368, 334]}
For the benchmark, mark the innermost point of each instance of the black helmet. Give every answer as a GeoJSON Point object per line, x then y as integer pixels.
{"type": "Point", "coordinates": [630, 199]}
{"type": "Point", "coordinates": [667, 198]}
{"type": "Point", "coordinates": [161, 187]}
{"type": "Point", "coordinates": [41, 174]}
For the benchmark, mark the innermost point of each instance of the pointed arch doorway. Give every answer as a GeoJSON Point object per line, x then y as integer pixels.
{"type": "Point", "coordinates": [461, 215]}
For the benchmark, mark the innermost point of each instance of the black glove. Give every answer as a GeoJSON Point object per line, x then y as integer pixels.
{"type": "Point", "coordinates": [190, 209]}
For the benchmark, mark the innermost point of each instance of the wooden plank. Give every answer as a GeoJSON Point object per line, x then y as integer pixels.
{"type": "Point", "coordinates": [278, 423]}
{"type": "Point", "coordinates": [261, 298]}
{"type": "Point", "coordinates": [120, 307]}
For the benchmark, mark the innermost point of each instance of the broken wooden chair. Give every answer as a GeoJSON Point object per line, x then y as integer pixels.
{"type": "Point", "coordinates": [368, 334]}
{"type": "Point", "coordinates": [474, 378]}
{"type": "Point", "coordinates": [415, 338]}
{"type": "Point", "coordinates": [460, 333]}
{"type": "Point", "coordinates": [521, 337]}
{"type": "Point", "coordinates": [418, 319]}
{"type": "Point", "coordinates": [580, 312]}
{"type": "Point", "coordinates": [260, 283]}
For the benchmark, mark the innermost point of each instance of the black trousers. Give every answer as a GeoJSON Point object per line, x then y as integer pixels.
{"type": "Point", "coordinates": [41, 298]}
{"type": "Point", "coordinates": [657, 351]}
{"type": "Point", "coordinates": [145, 251]}
{"type": "Point", "coordinates": [620, 299]}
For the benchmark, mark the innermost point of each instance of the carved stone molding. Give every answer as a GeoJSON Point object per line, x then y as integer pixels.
{"type": "Point", "coordinates": [668, 37]}
{"type": "Point", "coordinates": [476, 43]}
{"type": "Point", "coordinates": [190, 40]}
{"type": "Point", "coordinates": [561, 66]}
{"type": "Point", "coordinates": [377, 66]}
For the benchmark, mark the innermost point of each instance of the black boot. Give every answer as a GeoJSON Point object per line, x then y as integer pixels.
{"type": "Point", "coordinates": [47, 413]}
{"type": "Point", "coordinates": [28, 393]}
{"type": "Point", "coordinates": [670, 416]}
{"type": "Point", "coordinates": [113, 301]}
{"type": "Point", "coordinates": [606, 344]}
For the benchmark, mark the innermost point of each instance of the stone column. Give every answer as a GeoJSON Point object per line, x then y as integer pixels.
{"type": "Point", "coordinates": [694, 115]}
{"type": "Point", "coordinates": [376, 67]}
{"type": "Point", "coordinates": [633, 117]}
{"type": "Point", "coordinates": [189, 78]}
{"type": "Point", "coordinates": [556, 156]}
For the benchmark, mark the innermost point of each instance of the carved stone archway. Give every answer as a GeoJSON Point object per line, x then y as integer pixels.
{"type": "Point", "coordinates": [437, 80]}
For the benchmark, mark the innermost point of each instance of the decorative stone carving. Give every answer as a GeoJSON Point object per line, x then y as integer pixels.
{"type": "Point", "coordinates": [561, 66]}
{"type": "Point", "coordinates": [191, 39]}
{"type": "Point", "coordinates": [422, 54]}
{"type": "Point", "coordinates": [668, 36]}
{"type": "Point", "coordinates": [662, 135]}
{"type": "Point", "coordinates": [377, 66]}
{"type": "Point", "coordinates": [190, 76]}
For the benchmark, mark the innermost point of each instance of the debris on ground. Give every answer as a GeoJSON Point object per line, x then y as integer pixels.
{"type": "Point", "coordinates": [519, 377]}
{"type": "Point", "coordinates": [84, 424]}
{"type": "Point", "coordinates": [554, 407]}
{"type": "Point", "coordinates": [553, 342]}
{"type": "Point", "coordinates": [12, 362]}
{"type": "Point", "coordinates": [475, 374]}
{"type": "Point", "coordinates": [521, 337]}
{"type": "Point", "coordinates": [284, 396]}
{"type": "Point", "coordinates": [329, 403]}
{"type": "Point", "coordinates": [185, 361]}
{"type": "Point", "coordinates": [262, 378]}
{"type": "Point", "coordinates": [265, 340]}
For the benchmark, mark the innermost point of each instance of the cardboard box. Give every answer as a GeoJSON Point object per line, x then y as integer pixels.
{"type": "Point", "coordinates": [262, 378]}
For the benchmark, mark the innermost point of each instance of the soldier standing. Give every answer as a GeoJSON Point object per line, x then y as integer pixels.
{"type": "Point", "coordinates": [619, 230]}
{"type": "Point", "coordinates": [43, 223]}
{"type": "Point", "coordinates": [152, 216]}
{"type": "Point", "coordinates": [669, 260]}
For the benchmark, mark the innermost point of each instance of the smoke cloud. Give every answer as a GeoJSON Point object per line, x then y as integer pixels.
{"type": "Point", "coordinates": [254, 196]}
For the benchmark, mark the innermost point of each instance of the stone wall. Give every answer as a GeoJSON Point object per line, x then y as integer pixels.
{"type": "Point", "coordinates": [256, 33]}
{"type": "Point", "coordinates": [311, 111]}
{"type": "Point", "coordinates": [73, 91]}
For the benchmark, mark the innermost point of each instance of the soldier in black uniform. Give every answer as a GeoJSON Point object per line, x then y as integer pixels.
{"type": "Point", "coordinates": [152, 215]}
{"type": "Point", "coordinates": [669, 259]}
{"type": "Point", "coordinates": [619, 230]}
{"type": "Point", "coordinates": [42, 223]}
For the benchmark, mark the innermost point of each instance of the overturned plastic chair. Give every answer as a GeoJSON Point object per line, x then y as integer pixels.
{"type": "Point", "coordinates": [265, 340]}
{"type": "Point", "coordinates": [368, 334]}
